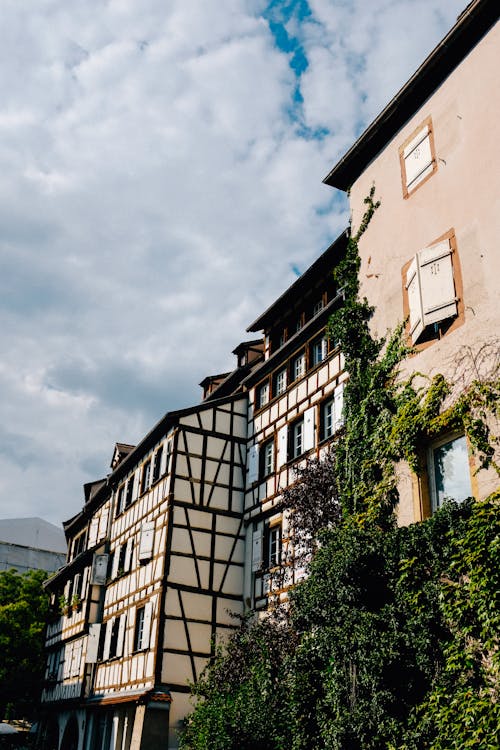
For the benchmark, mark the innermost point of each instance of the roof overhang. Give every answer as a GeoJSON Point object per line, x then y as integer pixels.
{"type": "Point", "coordinates": [471, 26]}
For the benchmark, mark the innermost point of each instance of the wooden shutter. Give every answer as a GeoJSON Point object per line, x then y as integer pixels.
{"type": "Point", "coordinates": [147, 541]}
{"type": "Point", "coordinates": [309, 429]}
{"type": "Point", "coordinates": [338, 398]}
{"type": "Point", "coordinates": [103, 522]}
{"type": "Point", "coordinates": [437, 285]}
{"type": "Point", "coordinates": [256, 550]}
{"type": "Point", "coordinates": [128, 555]}
{"type": "Point", "coordinates": [146, 633]}
{"type": "Point", "coordinates": [253, 463]}
{"type": "Point", "coordinates": [94, 525]}
{"type": "Point", "coordinates": [77, 581]}
{"type": "Point", "coordinates": [107, 638]}
{"type": "Point", "coordinates": [116, 563]}
{"type": "Point", "coordinates": [93, 642]}
{"type": "Point", "coordinates": [121, 635]}
{"type": "Point", "coordinates": [415, 300]}
{"type": "Point", "coordinates": [85, 580]}
{"type": "Point", "coordinates": [282, 447]}
{"type": "Point", "coordinates": [418, 158]}
{"type": "Point", "coordinates": [131, 629]}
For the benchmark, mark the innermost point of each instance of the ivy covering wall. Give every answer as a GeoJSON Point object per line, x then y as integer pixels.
{"type": "Point", "coordinates": [393, 640]}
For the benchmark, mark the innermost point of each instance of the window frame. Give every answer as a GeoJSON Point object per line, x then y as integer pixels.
{"type": "Point", "coordinates": [297, 375]}
{"type": "Point", "coordinates": [431, 467]}
{"type": "Point", "coordinates": [266, 461]}
{"type": "Point", "coordinates": [408, 190]}
{"type": "Point", "coordinates": [280, 381]}
{"type": "Point", "coordinates": [296, 448]}
{"type": "Point", "coordinates": [447, 325]}
{"type": "Point", "coordinates": [146, 476]}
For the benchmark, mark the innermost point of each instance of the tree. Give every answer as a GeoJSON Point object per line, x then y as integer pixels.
{"type": "Point", "coordinates": [23, 612]}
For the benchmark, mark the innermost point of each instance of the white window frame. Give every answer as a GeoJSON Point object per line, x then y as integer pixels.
{"type": "Point", "coordinates": [319, 351]}
{"type": "Point", "coordinates": [297, 439]}
{"type": "Point", "coordinates": [263, 394]}
{"type": "Point", "coordinates": [280, 382]}
{"type": "Point", "coordinates": [299, 366]}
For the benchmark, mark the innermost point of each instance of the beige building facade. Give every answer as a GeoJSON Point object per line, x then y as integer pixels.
{"type": "Point", "coordinates": [430, 254]}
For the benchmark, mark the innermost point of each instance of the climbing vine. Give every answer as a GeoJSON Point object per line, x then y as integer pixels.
{"type": "Point", "coordinates": [392, 640]}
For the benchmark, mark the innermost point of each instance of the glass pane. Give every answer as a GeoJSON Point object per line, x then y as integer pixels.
{"type": "Point", "coordinates": [451, 471]}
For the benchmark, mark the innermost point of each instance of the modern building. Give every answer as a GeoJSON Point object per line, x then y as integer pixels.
{"type": "Point", "coordinates": [187, 528]}
{"type": "Point", "coordinates": [31, 544]}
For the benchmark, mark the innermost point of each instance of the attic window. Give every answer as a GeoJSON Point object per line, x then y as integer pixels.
{"type": "Point", "coordinates": [432, 290]}
{"type": "Point", "coordinates": [418, 158]}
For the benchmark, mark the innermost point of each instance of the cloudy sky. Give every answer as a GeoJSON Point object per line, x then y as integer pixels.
{"type": "Point", "coordinates": [160, 182]}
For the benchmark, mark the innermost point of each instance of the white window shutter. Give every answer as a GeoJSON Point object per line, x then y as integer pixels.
{"type": "Point", "coordinates": [146, 633]}
{"type": "Point", "coordinates": [121, 635]}
{"type": "Point", "coordinates": [338, 397]}
{"type": "Point", "coordinates": [103, 522]}
{"type": "Point", "coordinates": [414, 300]}
{"type": "Point", "coordinates": [99, 570]}
{"type": "Point", "coordinates": [253, 463]}
{"type": "Point", "coordinates": [116, 562]}
{"type": "Point", "coordinates": [93, 642]}
{"type": "Point", "coordinates": [85, 580]}
{"type": "Point", "coordinates": [418, 158]}
{"type": "Point", "coordinates": [131, 629]}
{"type": "Point", "coordinates": [94, 525]}
{"type": "Point", "coordinates": [77, 580]}
{"type": "Point", "coordinates": [128, 555]}
{"type": "Point", "coordinates": [147, 541]}
{"type": "Point", "coordinates": [107, 639]}
{"type": "Point", "coordinates": [282, 447]}
{"type": "Point", "coordinates": [436, 278]}
{"type": "Point", "coordinates": [256, 550]}
{"type": "Point", "coordinates": [309, 429]}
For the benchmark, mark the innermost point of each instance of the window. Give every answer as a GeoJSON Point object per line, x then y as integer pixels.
{"type": "Point", "coordinates": [449, 474]}
{"type": "Point", "coordinates": [139, 629]}
{"type": "Point", "coordinates": [430, 296]}
{"type": "Point", "coordinates": [299, 366]}
{"type": "Point", "coordinates": [296, 439]}
{"type": "Point", "coordinates": [267, 459]}
{"type": "Point", "coordinates": [417, 157]}
{"type": "Point", "coordinates": [146, 472]}
{"type": "Point", "coordinates": [317, 308]}
{"type": "Point", "coordinates": [129, 491]}
{"type": "Point", "coordinates": [263, 394]}
{"type": "Point", "coordinates": [119, 500]}
{"type": "Point", "coordinates": [79, 544]}
{"type": "Point", "coordinates": [282, 339]}
{"type": "Point", "coordinates": [327, 419]}
{"type": "Point", "coordinates": [274, 546]}
{"type": "Point", "coordinates": [331, 418]}
{"type": "Point", "coordinates": [280, 382]}
{"type": "Point", "coordinates": [157, 464]}
{"type": "Point", "coordinates": [319, 350]}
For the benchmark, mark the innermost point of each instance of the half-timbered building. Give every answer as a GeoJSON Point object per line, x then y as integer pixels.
{"type": "Point", "coordinates": [154, 571]}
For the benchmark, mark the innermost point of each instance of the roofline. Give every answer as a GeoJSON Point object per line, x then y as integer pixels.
{"type": "Point", "coordinates": [472, 24]}
{"type": "Point", "coordinates": [170, 419]}
{"type": "Point", "coordinates": [259, 323]}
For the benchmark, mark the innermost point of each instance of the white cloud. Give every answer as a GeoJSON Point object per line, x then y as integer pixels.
{"type": "Point", "coordinates": [154, 184]}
